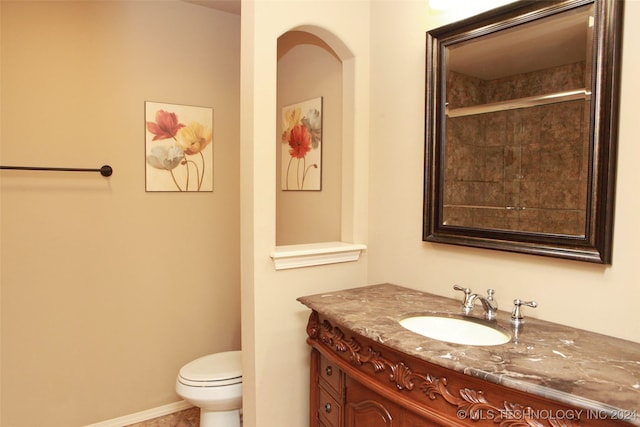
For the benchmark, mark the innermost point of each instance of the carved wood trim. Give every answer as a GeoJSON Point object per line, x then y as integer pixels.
{"type": "Point", "coordinates": [468, 403]}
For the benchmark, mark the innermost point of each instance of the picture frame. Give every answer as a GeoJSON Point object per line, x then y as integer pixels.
{"type": "Point", "coordinates": [301, 154]}
{"type": "Point", "coordinates": [178, 147]}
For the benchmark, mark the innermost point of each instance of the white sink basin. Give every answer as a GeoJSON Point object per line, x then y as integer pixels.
{"type": "Point", "coordinates": [456, 329]}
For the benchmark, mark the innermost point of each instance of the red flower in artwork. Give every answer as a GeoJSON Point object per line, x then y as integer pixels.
{"type": "Point", "coordinates": [299, 141]}
{"type": "Point", "coordinates": [166, 125]}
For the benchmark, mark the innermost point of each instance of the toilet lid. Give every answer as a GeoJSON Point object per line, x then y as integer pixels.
{"type": "Point", "coordinates": [213, 370]}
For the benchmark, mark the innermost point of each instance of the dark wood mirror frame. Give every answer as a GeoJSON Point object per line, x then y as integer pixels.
{"type": "Point", "coordinates": [596, 243]}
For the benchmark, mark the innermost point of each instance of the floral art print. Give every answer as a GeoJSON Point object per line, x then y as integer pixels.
{"type": "Point", "coordinates": [179, 149]}
{"type": "Point", "coordinates": [302, 146]}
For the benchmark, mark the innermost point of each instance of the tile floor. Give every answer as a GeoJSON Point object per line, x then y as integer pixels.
{"type": "Point", "coordinates": [187, 418]}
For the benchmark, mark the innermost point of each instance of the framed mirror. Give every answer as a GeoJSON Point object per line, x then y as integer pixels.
{"type": "Point", "coordinates": [521, 129]}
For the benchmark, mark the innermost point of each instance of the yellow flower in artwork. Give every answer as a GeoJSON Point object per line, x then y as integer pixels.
{"type": "Point", "coordinates": [194, 138]}
{"type": "Point", "coordinates": [290, 119]}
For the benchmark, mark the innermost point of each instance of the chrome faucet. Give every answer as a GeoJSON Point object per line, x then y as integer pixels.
{"type": "Point", "coordinates": [489, 305]}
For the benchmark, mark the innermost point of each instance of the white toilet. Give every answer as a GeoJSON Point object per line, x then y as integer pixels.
{"type": "Point", "coordinates": [214, 384]}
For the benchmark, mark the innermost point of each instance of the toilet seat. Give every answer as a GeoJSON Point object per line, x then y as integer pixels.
{"type": "Point", "coordinates": [213, 370]}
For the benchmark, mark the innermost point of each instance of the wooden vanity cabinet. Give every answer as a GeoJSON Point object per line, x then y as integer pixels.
{"type": "Point", "coordinates": [357, 382]}
{"type": "Point", "coordinates": [338, 400]}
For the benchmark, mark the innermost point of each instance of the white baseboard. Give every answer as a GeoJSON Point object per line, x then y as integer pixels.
{"type": "Point", "coordinates": [149, 414]}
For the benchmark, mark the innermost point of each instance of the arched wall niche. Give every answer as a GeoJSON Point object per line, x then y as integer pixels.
{"type": "Point", "coordinates": [313, 63]}
{"type": "Point", "coordinates": [330, 39]}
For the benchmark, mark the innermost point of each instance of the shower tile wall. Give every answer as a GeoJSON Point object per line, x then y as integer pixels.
{"type": "Point", "coordinates": [522, 169]}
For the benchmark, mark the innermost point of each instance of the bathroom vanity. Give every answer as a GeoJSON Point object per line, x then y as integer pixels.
{"type": "Point", "coordinates": [368, 370]}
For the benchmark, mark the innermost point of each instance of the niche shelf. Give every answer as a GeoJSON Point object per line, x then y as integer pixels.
{"type": "Point", "coordinates": [307, 255]}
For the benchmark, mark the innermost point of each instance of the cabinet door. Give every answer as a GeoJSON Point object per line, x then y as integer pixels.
{"type": "Point", "coordinates": [368, 413]}
{"type": "Point", "coordinates": [366, 408]}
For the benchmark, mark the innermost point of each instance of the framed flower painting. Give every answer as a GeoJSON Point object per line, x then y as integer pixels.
{"type": "Point", "coordinates": [179, 149]}
{"type": "Point", "coordinates": [302, 146]}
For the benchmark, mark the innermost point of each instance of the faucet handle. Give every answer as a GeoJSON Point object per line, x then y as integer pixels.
{"type": "Point", "coordinates": [469, 298]}
{"type": "Point", "coordinates": [466, 291]}
{"type": "Point", "coordinates": [516, 314]}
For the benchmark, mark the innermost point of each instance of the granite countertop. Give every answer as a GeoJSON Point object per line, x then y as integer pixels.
{"type": "Point", "coordinates": [577, 367]}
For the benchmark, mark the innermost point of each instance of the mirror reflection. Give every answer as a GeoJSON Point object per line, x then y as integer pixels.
{"type": "Point", "coordinates": [521, 129]}
{"type": "Point", "coordinates": [517, 140]}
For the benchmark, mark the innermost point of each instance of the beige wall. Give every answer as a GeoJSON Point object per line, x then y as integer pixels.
{"type": "Point", "coordinates": [594, 297]}
{"type": "Point", "coordinates": [276, 358]}
{"type": "Point", "coordinates": [308, 69]}
{"type": "Point", "coordinates": [106, 289]}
